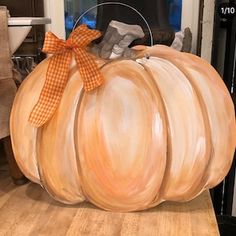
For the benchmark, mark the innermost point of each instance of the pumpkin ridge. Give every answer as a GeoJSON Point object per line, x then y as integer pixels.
{"type": "Point", "coordinates": [199, 68]}
{"type": "Point", "coordinates": [188, 190]}
{"type": "Point", "coordinates": [202, 183]}
{"type": "Point", "coordinates": [203, 69]}
{"type": "Point", "coordinates": [169, 150]}
{"type": "Point", "coordinates": [25, 153]}
{"type": "Point", "coordinates": [98, 203]}
{"type": "Point", "coordinates": [66, 189]}
{"type": "Point", "coordinates": [158, 198]}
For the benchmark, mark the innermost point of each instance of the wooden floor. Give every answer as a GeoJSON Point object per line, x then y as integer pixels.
{"type": "Point", "coordinates": [28, 210]}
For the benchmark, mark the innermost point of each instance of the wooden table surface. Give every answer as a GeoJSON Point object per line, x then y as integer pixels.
{"type": "Point", "coordinates": [28, 210]}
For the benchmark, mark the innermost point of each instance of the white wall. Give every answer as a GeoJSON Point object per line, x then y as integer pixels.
{"type": "Point", "coordinates": [54, 9]}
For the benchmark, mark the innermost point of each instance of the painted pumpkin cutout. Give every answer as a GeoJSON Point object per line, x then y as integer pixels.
{"type": "Point", "coordinates": [158, 128]}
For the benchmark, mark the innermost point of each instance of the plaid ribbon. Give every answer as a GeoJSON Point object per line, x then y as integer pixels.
{"type": "Point", "coordinates": [59, 67]}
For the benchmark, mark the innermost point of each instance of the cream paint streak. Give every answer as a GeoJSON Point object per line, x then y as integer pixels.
{"type": "Point", "coordinates": [122, 139]}
{"type": "Point", "coordinates": [56, 150]}
{"type": "Point", "coordinates": [188, 155]}
{"type": "Point", "coordinates": [222, 127]}
{"type": "Point", "coordinates": [23, 135]}
{"type": "Point", "coordinates": [219, 105]}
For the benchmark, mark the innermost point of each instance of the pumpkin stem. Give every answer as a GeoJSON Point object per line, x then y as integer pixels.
{"type": "Point", "coordinates": [117, 39]}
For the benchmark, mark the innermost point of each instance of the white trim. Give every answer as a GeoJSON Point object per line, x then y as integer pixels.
{"type": "Point", "coordinates": [190, 14]}
{"type": "Point", "coordinates": [54, 9]}
{"type": "Point", "coordinates": [207, 29]}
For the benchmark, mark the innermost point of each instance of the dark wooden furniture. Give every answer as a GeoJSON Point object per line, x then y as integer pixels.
{"type": "Point", "coordinates": [7, 153]}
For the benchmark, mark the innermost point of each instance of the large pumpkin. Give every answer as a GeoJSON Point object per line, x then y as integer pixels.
{"type": "Point", "coordinates": [159, 128]}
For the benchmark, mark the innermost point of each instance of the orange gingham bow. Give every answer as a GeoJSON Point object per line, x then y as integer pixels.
{"type": "Point", "coordinates": [58, 70]}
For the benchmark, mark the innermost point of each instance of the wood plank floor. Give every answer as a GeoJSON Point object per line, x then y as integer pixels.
{"type": "Point", "coordinates": [28, 210]}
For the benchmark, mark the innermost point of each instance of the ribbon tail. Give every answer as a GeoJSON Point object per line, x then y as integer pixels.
{"type": "Point", "coordinates": [89, 71]}
{"type": "Point", "coordinates": [51, 94]}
